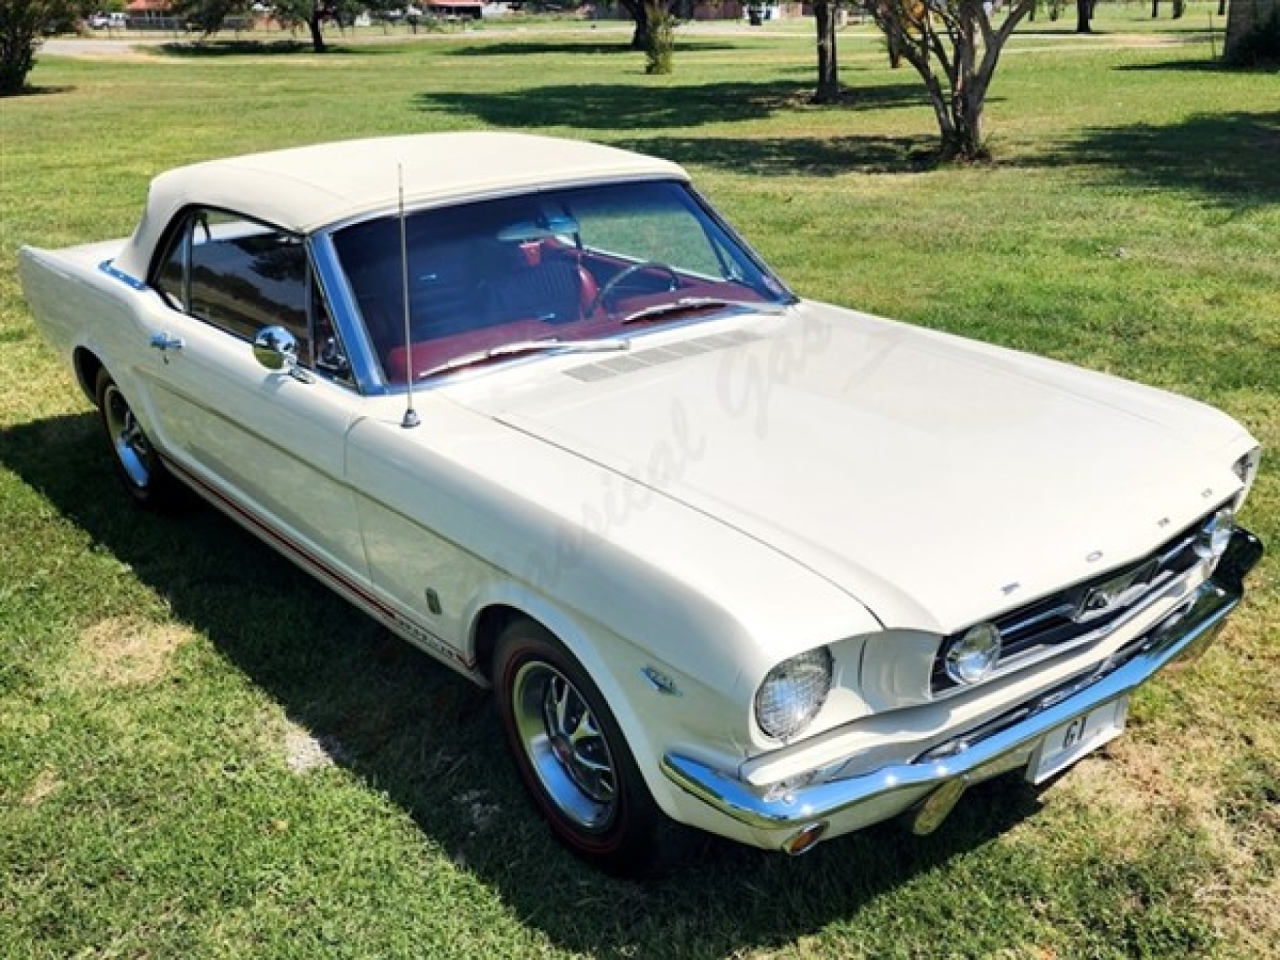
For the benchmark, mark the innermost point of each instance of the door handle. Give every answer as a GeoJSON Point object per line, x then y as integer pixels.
{"type": "Point", "coordinates": [164, 342]}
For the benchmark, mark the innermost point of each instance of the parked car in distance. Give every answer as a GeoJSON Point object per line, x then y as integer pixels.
{"type": "Point", "coordinates": [730, 559]}
{"type": "Point", "coordinates": [109, 21]}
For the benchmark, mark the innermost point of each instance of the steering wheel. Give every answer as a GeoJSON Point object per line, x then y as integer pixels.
{"type": "Point", "coordinates": [621, 277]}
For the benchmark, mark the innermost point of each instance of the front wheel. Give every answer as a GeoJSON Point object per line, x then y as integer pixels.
{"type": "Point", "coordinates": [136, 462]}
{"type": "Point", "coordinates": [572, 757]}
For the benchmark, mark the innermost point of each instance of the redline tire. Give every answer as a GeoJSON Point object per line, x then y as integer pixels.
{"type": "Point", "coordinates": [572, 757]}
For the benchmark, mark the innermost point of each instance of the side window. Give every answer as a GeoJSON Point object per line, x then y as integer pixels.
{"type": "Point", "coordinates": [245, 276]}
{"type": "Point", "coordinates": [240, 275]}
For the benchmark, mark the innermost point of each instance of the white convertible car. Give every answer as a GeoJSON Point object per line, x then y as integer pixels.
{"type": "Point", "coordinates": [730, 559]}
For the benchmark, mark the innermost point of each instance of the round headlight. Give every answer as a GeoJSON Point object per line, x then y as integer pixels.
{"type": "Point", "coordinates": [1211, 543]}
{"type": "Point", "coordinates": [971, 657]}
{"type": "Point", "coordinates": [793, 692]}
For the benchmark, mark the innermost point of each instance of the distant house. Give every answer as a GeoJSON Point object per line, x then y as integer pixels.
{"type": "Point", "coordinates": [454, 9]}
{"type": "Point", "coordinates": [148, 9]}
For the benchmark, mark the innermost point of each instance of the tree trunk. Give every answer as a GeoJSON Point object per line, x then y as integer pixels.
{"type": "Point", "coordinates": [1084, 14]}
{"type": "Point", "coordinates": [967, 134]}
{"type": "Point", "coordinates": [1155, 9]}
{"type": "Point", "coordinates": [1222, 8]}
{"type": "Point", "coordinates": [1248, 22]}
{"type": "Point", "coordinates": [640, 35]}
{"type": "Point", "coordinates": [317, 37]}
{"type": "Point", "coordinates": [660, 43]}
{"type": "Point", "coordinates": [824, 16]}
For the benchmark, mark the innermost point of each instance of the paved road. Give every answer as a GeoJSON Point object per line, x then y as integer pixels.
{"type": "Point", "coordinates": [121, 44]}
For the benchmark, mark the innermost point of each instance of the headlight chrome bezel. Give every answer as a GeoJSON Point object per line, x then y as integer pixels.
{"type": "Point", "coordinates": [972, 657]}
{"type": "Point", "coordinates": [1214, 537]}
{"type": "Point", "coordinates": [793, 693]}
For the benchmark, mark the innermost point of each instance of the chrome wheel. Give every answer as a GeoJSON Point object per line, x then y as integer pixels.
{"type": "Point", "coordinates": [573, 757]}
{"type": "Point", "coordinates": [135, 459]}
{"type": "Point", "coordinates": [565, 746]}
{"type": "Point", "coordinates": [132, 449]}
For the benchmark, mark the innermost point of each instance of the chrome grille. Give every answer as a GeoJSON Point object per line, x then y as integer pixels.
{"type": "Point", "coordinates": [1084, 612]}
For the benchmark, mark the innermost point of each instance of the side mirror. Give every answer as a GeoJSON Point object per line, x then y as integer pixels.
{"type": "Point", "coordinates": [276, 348]}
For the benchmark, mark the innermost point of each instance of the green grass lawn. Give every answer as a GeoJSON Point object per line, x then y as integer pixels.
{"type": "Point", "coordinates": [165, 684]}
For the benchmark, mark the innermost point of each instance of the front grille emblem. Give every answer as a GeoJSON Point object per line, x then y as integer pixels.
{"type": "Point", "coordinates": [1114, 594]}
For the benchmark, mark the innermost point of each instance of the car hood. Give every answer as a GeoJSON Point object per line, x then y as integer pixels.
{"type": "Point", "coordinates": [937, 480]}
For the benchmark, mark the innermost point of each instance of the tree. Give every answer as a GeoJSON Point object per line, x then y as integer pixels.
{"type": "Point", "coordinates": [955, 47]}
{"type": "Point", "coordinates": [660, 42]}
{"type": "Point", "coordinates": [295, 13]}
{"type": "Point", "coordinates": [1253, 33]}
{"type": "Point", "coordinates": [1084, 16]}
{"type": "Point", "coordinates": [312, 13]}
{"type": "Point", "coordinates": [23, 24]}
{"type": "Point", "coordinates": [640, 16]}
{"type": "Point", "coordinates": [824, 17]}
{"type": "Point", "coordinates": [208, 15]}
{"type": "Point", "coordinates": [654, 33]}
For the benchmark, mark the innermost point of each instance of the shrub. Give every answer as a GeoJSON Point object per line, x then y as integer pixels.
{"type": "Point", "coordinates": [23, 24]}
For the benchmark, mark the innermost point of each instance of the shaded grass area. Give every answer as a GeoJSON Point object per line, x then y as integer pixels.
{"type": "Point", "coordinates": [237, 48]}
{"type": "Point", "coordinates": [625, 107]}
{"type": "Point", "coordinates": [156, 674]}
{"type": "Point", "coordinates": [1201, 153]}
{"type": "Point", "coordinates": [620, 46]}
{"type": "Point", "coordinates": [794, 156]}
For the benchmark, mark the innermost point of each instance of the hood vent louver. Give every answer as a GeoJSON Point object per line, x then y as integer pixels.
{"type": "Point", "coordinates": [656, 356]}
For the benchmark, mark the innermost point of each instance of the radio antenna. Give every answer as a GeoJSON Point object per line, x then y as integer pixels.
{"type": "Point", "coordinates": [410, 415]}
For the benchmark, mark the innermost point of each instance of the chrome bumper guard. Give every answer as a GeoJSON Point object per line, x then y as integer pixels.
{"type": "Point", "coordinates": [986, 750]}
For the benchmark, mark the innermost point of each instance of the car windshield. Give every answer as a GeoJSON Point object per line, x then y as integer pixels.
{"type": "Point", "coordinates": [566, 266]}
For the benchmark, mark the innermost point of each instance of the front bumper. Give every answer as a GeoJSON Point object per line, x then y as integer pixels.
{"type": "Point", "coordinates": [1006, 743]}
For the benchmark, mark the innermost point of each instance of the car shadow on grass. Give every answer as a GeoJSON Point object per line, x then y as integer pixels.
{"type": "Point", "coordinates": [611, 107]}
{"type": "Point", "coordinates": [429, 740]}
{"type": "Point", "coordinates": [1229, 158]}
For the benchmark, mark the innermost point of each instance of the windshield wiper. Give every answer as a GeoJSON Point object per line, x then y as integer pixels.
{"type": "Point", "coordinates": [700, 303]}
{"type": "Point", "coordinates": [524, 346]}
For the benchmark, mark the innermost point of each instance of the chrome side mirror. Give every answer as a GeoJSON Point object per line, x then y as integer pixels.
{"type": "Point", "coordinates": [276, 349]}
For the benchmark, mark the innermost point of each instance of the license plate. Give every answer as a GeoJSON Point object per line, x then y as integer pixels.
{"type": "Point", "coordinates": [1064, 745]}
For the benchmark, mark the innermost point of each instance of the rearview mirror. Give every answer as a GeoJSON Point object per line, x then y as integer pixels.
{"type": "Point", "coordinates": [526, 231]}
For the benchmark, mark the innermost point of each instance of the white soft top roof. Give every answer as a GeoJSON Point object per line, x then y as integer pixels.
{"type": "Point", "coordinates": [305, 188]}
